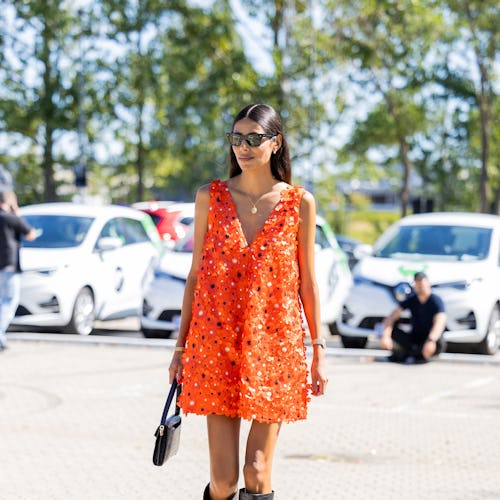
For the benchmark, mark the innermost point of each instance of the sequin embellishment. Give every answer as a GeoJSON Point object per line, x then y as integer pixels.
{"type": "Point", "coordinates": [245, 353]}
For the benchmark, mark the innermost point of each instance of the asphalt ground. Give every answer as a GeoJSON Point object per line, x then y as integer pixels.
{"type": "Point", "coordinates": [77, 416]}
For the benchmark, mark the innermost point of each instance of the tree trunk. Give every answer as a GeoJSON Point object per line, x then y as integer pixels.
{"type": "Point", "coordinates": [484, 111]}
{"type": "Point", "coordinates": [47, 113]}
{"type": "Point", "coordinates": [484, 101]}
{"type": "Point", "coordinates": [49, 193]}
{"type": "Point", "coordinates": [139, 163]}
{"type": "Point", "coordinates": [277, 25]}
{"type": "Point", "coordinates": [407, 167]}
{"type": "Point", "coordinates": [496, 202]}
{"type": "Point", "coordinates": [404, 148]}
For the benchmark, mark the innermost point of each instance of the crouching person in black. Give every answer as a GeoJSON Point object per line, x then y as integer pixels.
{"type": "Point", "coordinates": [428, 321]}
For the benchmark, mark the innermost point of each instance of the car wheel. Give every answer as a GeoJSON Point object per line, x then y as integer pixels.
{"type": "Point", "coordinates": [82, 319]}
{"type": "Point", "coordinates": [156, 334]}
{"type": "Point", "coordinates": [354, 342]}
{"type": "Point", "coordinates": [333, 328]}
{"type": "Point", "coordinates": [489, 345]}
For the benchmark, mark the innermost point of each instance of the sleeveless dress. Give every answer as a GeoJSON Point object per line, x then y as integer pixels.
{"type": "Point", "coordinates": [245, 353]}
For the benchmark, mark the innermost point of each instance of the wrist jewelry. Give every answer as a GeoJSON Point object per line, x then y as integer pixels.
{"type": "Point", "coordinates": [320, 342]}
{"type": "Point", "coordinates": [178, 349]}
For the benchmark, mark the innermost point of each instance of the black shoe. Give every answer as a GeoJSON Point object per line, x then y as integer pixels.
{"type": "Point", "coordinates": [244, 495]}
{"type": "Point", "coordinates": [420, 360]}
{"type": "Point", "coordinates": [206, 493]}
{"type": "Point", "coordinates": [397, 357]}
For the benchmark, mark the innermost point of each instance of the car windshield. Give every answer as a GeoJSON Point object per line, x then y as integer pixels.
{"type": "Point", "coordinates": [57, 231]}
{"type": "Point", "coordinates": [435, 242]}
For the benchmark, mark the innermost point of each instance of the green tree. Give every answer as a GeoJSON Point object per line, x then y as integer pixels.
{"type": "Point", "coordinates": [474, 26]}
{"type": "Point", "coordinates": [302, 85]}
{"type": "Point", "coordinates": [39, 103]}
{"type": "Point", "coordinates": [182, 74]}
{"type": "Point", "coordinates": [47, 96]}
{"type": "Point", "coordinates": [385, 45]}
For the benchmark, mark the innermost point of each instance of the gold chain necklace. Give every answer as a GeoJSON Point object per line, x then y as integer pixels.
{"type": "Point", "coordinates": [254, 210]}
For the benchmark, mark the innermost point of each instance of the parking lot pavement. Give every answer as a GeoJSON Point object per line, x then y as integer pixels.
{"type": "Point", "coordinates": [77, 421]}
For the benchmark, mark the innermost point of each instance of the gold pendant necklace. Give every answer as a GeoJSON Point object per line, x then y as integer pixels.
{"type": "Point", "coordinates": [253, 210]}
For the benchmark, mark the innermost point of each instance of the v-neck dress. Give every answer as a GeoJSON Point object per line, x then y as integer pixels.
{"type": "Point", "coordinates": [245, 353]}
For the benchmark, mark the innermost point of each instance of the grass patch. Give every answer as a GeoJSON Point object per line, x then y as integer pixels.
{"type": "Point", "coordinates": [363, 225]}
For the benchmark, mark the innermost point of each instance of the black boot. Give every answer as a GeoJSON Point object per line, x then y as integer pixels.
{"type": "Point", "coordinates": [206, 494]}
{"type": "Point", "coordinates": [244, 495]}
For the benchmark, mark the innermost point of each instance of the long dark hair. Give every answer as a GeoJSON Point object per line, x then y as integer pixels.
{"type": "Point", "coordinates": [270, 121]}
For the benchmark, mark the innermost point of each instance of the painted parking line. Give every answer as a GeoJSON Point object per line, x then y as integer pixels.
{"type": "Point", "coordinates": [473, 384]}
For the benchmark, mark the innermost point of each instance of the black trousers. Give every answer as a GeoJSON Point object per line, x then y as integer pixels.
{"type": "Point", "coordinates": [409, 344]}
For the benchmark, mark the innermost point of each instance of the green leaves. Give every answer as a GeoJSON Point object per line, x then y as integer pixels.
{"type": "Point", "coordinates": [142, 91]}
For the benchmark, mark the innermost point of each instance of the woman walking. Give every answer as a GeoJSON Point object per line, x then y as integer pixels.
{"type": "Point", "coordinates": [240, 351]}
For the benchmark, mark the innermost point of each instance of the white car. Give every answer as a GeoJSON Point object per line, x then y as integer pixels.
{"type": "Point", "coordinates": [88, 262]}
{"type": "Point", "coordinates": [459, 252]}
{"type": "Point", "coordinates": [163, 298]}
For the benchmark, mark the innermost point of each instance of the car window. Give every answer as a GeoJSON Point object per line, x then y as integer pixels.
{"type": "Point", "coordinates": [58, 231]}
{"type": "Point", "coordinates": [320, 238]}
{"type": "Point", "coordinates": [156, 218]}
{"type": "Point", "coordinates": [112, 230]}
{"type": "Point", "coordinates": [133, 231]}
{"type": "Point", "coordinates": [186, 220]}
{"type": "Point", "coordinates": [448, 242]}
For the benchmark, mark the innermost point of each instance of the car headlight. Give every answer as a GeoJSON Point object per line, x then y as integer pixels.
{"type": "Point", "coordinates": [402, 291]}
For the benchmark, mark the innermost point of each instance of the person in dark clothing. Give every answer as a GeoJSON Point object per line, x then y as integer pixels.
{"type": "Point", "coordinates": [428, 321]}
{"type": "Point", "coordinates": [12, 228]}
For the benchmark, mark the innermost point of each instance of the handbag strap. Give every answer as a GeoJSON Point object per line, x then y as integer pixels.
{"type": "Point", "coordinates": [175, 389]}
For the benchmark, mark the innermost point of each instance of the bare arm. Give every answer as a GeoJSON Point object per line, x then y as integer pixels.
{"type": "Point", "coordinates": [200, 228]}
{"type": "Point", "coordinates": [309, 289]}
{"type": "Point", "coordinates": [387, 326]}
{"type": "Point", "coordinates": [33, 234]}
{"type": "Point", "coordinates": [438, 326]}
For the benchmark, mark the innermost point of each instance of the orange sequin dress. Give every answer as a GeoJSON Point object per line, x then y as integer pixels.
{"type": "Point", "coordinates": [245, 354]}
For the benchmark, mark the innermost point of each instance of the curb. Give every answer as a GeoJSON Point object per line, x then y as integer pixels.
{"type": "Point", "coordinates": [365, 355]}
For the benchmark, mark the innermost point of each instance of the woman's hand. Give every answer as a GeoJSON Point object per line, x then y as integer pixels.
{"type": "Point", "coordinates": [318, 376]}
{"type": "Point", "coordinates": [175, 368]}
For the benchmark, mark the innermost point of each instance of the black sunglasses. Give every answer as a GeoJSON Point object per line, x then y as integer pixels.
{"type": "Point", "coordinates": [253, 140]}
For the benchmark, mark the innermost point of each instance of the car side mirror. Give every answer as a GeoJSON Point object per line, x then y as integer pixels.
{"type": "Point", "coordinates": [363, 250]}
{"type": "Point", "coordinates": [109, 243]}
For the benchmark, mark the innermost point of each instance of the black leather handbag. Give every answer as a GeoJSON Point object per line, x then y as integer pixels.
{"type": "Point", "coordinates": [169, 431]}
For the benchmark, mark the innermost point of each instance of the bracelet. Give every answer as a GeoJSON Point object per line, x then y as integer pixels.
{"type": "Point", "coordinates": [429, 339]}
{"type": "Point", "coordinates": [319, 341]}
{"type": "Point", "coordinates": [178, 349]}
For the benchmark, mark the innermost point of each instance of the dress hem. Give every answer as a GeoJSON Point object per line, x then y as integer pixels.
{"type": "Point", "coordinates": [248, 419]}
